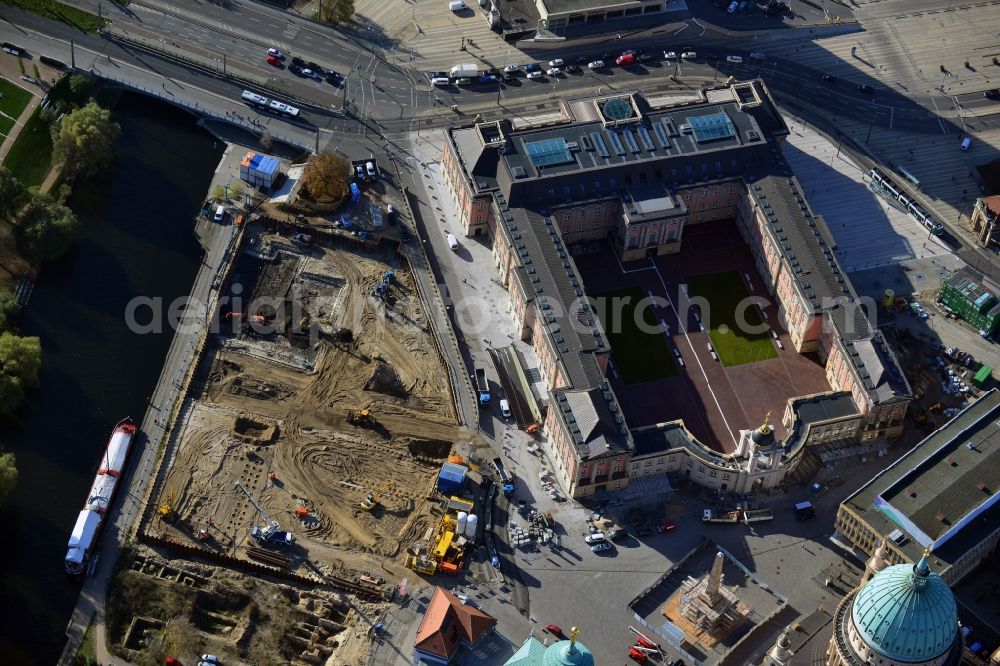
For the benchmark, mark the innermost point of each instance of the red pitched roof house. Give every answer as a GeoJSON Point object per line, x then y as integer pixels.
{"type": "Point", "coordinates": [449, 624]}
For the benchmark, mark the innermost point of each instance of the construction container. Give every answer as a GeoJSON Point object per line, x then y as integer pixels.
{"type": "Point", "coordinates": [452, 478]}
{"type": "Point", "coordinates": [258, 170]}
{"type": "Point", "coordinates": [982, 377]}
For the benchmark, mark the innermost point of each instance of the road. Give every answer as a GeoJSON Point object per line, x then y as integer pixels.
{"type": "Point", "coordinates": [918, 94]}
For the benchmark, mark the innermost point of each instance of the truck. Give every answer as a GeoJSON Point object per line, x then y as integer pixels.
{"type": "Point", "coordinates": [464, 71]}
{"type": "Point", "coordinates": [804, 511]}
{"type": "Point", "coordinates": [505, 477]}
{"type": "Point", "coordinates": [746, 516]}
{"type": "Point", "coordinates": [482, 387]}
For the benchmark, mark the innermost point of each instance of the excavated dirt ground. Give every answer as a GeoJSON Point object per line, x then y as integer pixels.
{"type": "Point", "coordinates": [258, 414]}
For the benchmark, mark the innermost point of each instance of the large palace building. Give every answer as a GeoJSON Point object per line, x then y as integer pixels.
{"type": "Point", "coordinates": [639, 171]}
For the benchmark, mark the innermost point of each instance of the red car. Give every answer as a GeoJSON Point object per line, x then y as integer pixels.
{"type": "Point", "coordinates": [274, 60]}
{"type": "Point", "coordinates": [625, 59]}
{"type": "Point", "coordinates": [668, 526]}
{"type": "Point", "coordinates": [555, 630]}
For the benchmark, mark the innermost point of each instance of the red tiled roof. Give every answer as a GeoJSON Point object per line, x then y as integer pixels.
{"type": "Point", "coordinates": [993, 203]}
{"type": "Point", "coordinates": [447, 621]}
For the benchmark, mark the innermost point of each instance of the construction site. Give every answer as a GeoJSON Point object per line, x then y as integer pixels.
{"type": "Point", "coordinates": [317, 423]}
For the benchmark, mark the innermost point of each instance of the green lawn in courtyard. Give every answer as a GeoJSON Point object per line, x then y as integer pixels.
{"type": "Point", "coordinates": [640, 355]}
{"type": "Point", "coordinates": [734, 345]}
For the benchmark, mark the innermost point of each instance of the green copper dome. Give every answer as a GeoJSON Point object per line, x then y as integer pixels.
{"type": "Point", "coordinates": [567, 653]}
{"type": "Point", "coordinates": [906, 613]}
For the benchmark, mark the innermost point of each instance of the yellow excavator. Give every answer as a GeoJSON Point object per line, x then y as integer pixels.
{"type": "Point", "coordinates": [166, 509]}
{"type": "Point", "coordinates": [371, 500]}
{"type": "Point", "coordinates": [360, 417]}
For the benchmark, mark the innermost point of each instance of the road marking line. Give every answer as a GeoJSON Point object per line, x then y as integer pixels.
{"type": "Point", "coordinates": [944, 128]}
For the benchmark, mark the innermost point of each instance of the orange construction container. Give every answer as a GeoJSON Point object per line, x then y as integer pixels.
{"type": "Point", "coordinates": [448, 568]}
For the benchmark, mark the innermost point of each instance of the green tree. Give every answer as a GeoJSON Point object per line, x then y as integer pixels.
{"type": "Point", "coordinates": [326, 176]}
{"type": "Point", "coordinates": [83, 139]}
{"type": "Point", "coordinates": [13, 196]}
{"type": "Point", "coordinates": [8, 476]}
{"type": "Point", "coordinates": [336, 11]}
{"type": "Point", "coordinates": [8, 311]}
{"type": "Point", "coordinates": [47, 229]}
{"type": "Point", "coordinates": [20, 364]}
{"type": "Point", "coordinates": [79, 84]}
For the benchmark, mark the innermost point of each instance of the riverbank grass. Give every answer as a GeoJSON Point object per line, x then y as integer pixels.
{"type": "Point", "coordinates": [13, 99]}
{"type": "Point", "coordinates": [53, 9]}
{"type": "Point", "coordinates": [87, 653]}
{"type": "Point", "coordinates": [30, 158]}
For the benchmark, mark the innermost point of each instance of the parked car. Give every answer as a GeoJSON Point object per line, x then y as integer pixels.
{"type": "Point", "coordinates": [371, 170]}
{"type": "Point", "coordinates": [487, 78]}
{"type": "Point", "coordinates": [572, 69]}
{"type": "Point", "coordinates": [313, 66]}
{"type": "Point", "coordinates": [274, 60]}
{"type": "Point", "coordinates": [536, 74]}
{"type": "Point", "coordinates": [618, 534]}
{"type": "Point", "coordinates": [865, 89]}
{"type": "Point", "coordinates": [829, 78]}
{"type": "Point", "coordinates": [600, 547]}
{"type": "Point", "coordinates": [736, 60]}
{"type": "Point", "coordinates": [645, 56]}
{"type": "Point", "coordinates": [670, 55]}
{"type": "Point", "coordinates": [310, 73]}
{"type": "Point", "coordinates": [555, 631]}
{"type": "Point", "coordinates": [596, 64]}
{"type": "Point", "coordinates": [992, 94]}
{"type": "Point", "coordinates": [359, 172]}
{"type": "Point", "coordinates": [625, 59]}
{"type": "Point", "coordinates": [464, 81]}
{"type": "Point", "coordinates": [276, 53]}
{"type": "Point", "coordinates": [511, 68]}
{"type": "Point", "coordinates": [440, 81]}
{"type": "Point", "coordinates": [298, 62]}
{"type": "Point", "coordinates": [732, 6]}
{"type": "Point", "coordinates": [689, 55]}
{"type": "Point", "coordinates": [668, 526]}
{"type": "Point", "coordinates": [558, 62]}
{"type": "Point", "coordinates": [596, 537]}
{"type": "Point", "coordinates": [295, 69]}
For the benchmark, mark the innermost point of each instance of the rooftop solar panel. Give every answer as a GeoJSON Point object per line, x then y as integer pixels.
{"type": "Point", "coordinates": [630, 140]}
{"type": "Point", "coordinates": [548, 152]}
{"type": "Point", "coordinates": [617, 143]}
{"type": "Point", "coordinates": [599, 142]}
{"type": "Point", "coordinates": [647, 141]}
{"type": "Point", "coordinates": [711, 127]}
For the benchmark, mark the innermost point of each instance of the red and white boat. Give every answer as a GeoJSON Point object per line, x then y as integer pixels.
{"type": "Point", "coordinates": [102, 493]}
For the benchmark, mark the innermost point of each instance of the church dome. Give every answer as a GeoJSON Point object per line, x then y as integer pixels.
{"type": "Point", "coordinates": [907, 613]}
{"type": "Point", "coordinates": [763, 437]}
{"type": "Point", "coordinates": [567, 653]}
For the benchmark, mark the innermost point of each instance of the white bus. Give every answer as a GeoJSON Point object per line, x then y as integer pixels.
{"type": "Point", "coordinates": [253, 99]}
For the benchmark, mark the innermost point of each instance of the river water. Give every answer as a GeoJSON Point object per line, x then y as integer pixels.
{"type": "Point", "coordinates": [137, 240]}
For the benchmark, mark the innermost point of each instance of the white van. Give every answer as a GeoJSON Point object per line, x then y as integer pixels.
{"type": "Point", "coordinates": [220, 213]}
{"type": "Point", "coordinates": [370, 167]}
{"type": "Point", "coordinates": [505, 409]}
{"type": "Point", "coordinates": [453, 242]}
{"type": "Point", "coordinates": [966, 143]}
{"type": "Point", "coordinates": [456, 5]}
{"type": "Point", "coordinates": [736, 60]}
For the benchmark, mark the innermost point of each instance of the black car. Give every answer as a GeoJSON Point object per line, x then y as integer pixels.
{"type": "Point", "coordinates": [865, 89]}
{"type": "Point", "coordinates": [829, 78]}
{"type": "Point", "coordinates": [645, 57]}
{"type": "Point", "coordinates": [313, 66]}
{"type": "Point", "coordinates": [583, 60]}
{"type": "Point", "coordinates": [333, 79]}
{"type": "Point", "coordinates": [295, 69]}
{"type": "Point", "coordinates": [572, 69]}
{"type": "Point", "coordinates": [609, 56]}
{"type": "Point", "coordinates": [298, 62]}
{"type": "Point", "coordinates": [992, 94]}
{"type": "Point", "coordinates": [492, 71]}
{"type": "Point", "coordinates": [618, 534]}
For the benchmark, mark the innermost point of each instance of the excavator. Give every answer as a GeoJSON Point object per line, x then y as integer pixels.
{"type": "Point", "coordinates": [371, 500]}
{"type": "Point", "coordinates": [166, 509]}
{"type": "Point", "coordinates": [361, 417]}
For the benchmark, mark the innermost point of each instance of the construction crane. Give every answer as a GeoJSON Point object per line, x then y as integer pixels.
{"type": "Point", "coordinates": [271, 532]}
{"type": "Point", "coordinates": [371, 500]}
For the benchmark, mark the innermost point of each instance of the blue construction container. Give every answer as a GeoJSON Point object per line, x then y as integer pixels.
{"type": "Point", "coordinates": [452, 478]}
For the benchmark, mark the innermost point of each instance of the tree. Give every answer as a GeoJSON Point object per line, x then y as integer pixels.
{"type": "Point", "coordinates": [83, 139]}
{"type": "Point", "coordinates": [8, 476]}
{"type": "Point", "coordinates": [79, 84]}
{"type": "Point", "coordinates": [8, 311]}
{"type": "Point", "coordinates": [336, 11]}
{"type": "Point", "coordinates": [47, 229]}
{"type": "Point", "coordinates": [266, 141]}
{"type": "Point", "coordinates": [20, 364]}
{"type": "Point", "coordinates": [13, 196]}
{"type": "Point", "coordinates": [326, 177]}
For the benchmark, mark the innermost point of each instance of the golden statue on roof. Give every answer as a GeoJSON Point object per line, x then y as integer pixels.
{"type": "Point", "coordinates": [764, 427]}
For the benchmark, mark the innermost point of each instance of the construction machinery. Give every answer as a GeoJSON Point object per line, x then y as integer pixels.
{"type": "Point", "coordinates": [271, 533]}
{"type": "Point", "coordinates": [361, 417]}
{"type": "Point", "coordinates": [166, 509]}
{"type": "Point", "coordinates": [371, 500]}
{"type": "Point", "coordinates": [448, 554]}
